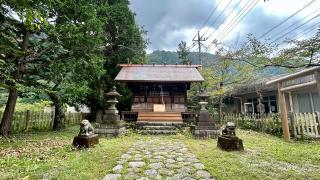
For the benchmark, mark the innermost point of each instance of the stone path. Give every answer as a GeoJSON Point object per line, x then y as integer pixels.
{"type": "Point", "coordinates": [158, 159]}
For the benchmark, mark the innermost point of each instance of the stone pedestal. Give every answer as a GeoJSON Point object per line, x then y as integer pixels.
{"type": "Point", "coordinates": [85, 141]}
{"type": "Point", "coordinates": [230, 143]}
{"type": "Point", "coordinates": [110, 130]}
{"type": "Point", "coordinates": [205, 127]}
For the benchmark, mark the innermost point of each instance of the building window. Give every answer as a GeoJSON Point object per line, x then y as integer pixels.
{"type": "Point", "coordinates": [269, 102]}
{"type": "Point", "coordinates": [308, 102]}
{"type": "Point", "coordinates": [158, 93]}
{"type": "Point", "coordinates": [304, 102]}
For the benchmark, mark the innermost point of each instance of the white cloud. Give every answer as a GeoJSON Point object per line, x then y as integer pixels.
{"type": "Point", "coordinates": [170, 22]}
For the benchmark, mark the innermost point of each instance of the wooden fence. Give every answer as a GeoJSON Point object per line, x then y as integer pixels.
{"type": "Point", "coordinates": [38, 120]}
{"type": "Point", "coordinates": [301, 124]}
{"type": "Point", "coordinates": [269, 123]}
{"type": "Point", "coordinates": [305, 124]}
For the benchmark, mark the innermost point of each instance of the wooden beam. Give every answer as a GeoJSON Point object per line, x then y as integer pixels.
{"type": "Point", "coordinates": [294, 75]}
{"type": "Point", "coordinates": [241, 105]}
{"type": "Point", "coordinates": [283, 113]}
{"type": "Point", "coordinates": [294, 87]}
{"type": "Point", "coordinates": [317, 78]}
{"type": "Point", "coordinates": [291, 102]}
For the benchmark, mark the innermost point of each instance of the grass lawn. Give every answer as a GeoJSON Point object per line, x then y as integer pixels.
{"type": "Point", "coordinates": [265, 157]}
{"type": "Point", "coordinates": [50, 154]}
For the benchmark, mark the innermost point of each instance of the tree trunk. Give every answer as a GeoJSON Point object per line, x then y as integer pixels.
{"type": "Point", "coordinates": [8, 113]}
{"type": "Point", "coordinates": [99, 112]}
{"type": "Point", "coordinates": [59, 116]}
{"type": "Point", "coordinates": [13, 92]}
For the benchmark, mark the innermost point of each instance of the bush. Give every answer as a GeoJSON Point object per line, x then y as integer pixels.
{"type": "Point", "coordinates": [37, 106]}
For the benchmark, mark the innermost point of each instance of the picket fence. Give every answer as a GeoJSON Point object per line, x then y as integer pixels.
{"type": "Point", "coordinates": [38, 120]}
{"type": "Point", "coordinates": [300, 124]}
{"type": "Point", "coordinates": [305, 124]}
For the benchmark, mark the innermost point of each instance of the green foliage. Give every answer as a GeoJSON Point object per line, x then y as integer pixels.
{"type": "Point", "coordinates": [123, 41]}
{"type": "Point", "coordinates": [296, 54]}
{"type": "Point", "coordinates": [37, 106]}
{"type": "Point", "coordinates": [270, 124]}
{"type": "Point", "coordinates": [17, 19]}
{"type": "Point", "coordinates": [3, 99]}
{"type": "Point", "coordinates": [183, 53]}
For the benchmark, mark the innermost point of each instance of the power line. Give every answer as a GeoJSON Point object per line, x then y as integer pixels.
{"type": "Point", "coordinates": [212, 12]}
{"type": "Point", "coordinates": [205, 22]}
{"type": "Point", "coordinates": [310, 30]}
{"type": "Point", "coordinates": [228, 15]}
{"type": "Point", "coordinates": [274, 27]}
{"type": "Point", "coordinates": [191, 46]}
{"type": "Point", "coordinates": [239, 19]}
{"type": "Point", "coordinates": [231, 22]}
{"type": "Point", "coordinates": [235, 20]}
{"type": "Point", "coordinates": [215, 20]}
{"type": "Point", "coordinates": [293, 24]}
{"type": "Point", "coordinates": [277, 39]}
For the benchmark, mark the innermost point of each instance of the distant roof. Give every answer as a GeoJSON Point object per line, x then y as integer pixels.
{"type": "Point", "coordinates": [305, 72]}
{"type": "Point", "coordinates": [252, 86]}
{"type": "Point", "coordinates": [159, 73]}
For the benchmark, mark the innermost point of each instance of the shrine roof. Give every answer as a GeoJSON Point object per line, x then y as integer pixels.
{"type": "Point", "coordinates": [159, 73]}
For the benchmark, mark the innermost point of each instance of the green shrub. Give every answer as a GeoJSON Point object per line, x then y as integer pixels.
{"type": "Point", "coordinates": [37, 106]}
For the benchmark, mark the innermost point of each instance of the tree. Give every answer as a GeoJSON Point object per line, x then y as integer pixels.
{"type": "Point", "coordinates": [223, 74]}
{"type": "Point", "coordinates": [18, 20]}
{"type": "Point", "coordinates": [183, 53]}
{"type": "Point", "coordinates": [79, 29]}
{"type": "Point", "coordinates": [124, 40]}
{"type": "Point", "coordinates": [296, 54]}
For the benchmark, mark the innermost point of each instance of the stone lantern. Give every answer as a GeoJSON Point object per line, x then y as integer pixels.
{"type": "Point", "coordinates": [203, 99]}
{"type": "Point", "coordinates": [204, 127]}
{"type": "Point", "coordinates": [111, 124]}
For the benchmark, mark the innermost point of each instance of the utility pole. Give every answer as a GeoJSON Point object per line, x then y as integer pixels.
{"type": "Point", "coordinates": [199, 39]}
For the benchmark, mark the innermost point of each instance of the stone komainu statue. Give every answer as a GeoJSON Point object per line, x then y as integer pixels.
{"type": "Point", "coordinates": [86, 128]}
{"type": "Point", "coordinates": [229, 129]}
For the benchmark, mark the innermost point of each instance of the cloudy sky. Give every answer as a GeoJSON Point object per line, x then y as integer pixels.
{"type": "Point", "coordinates": [169, 22]}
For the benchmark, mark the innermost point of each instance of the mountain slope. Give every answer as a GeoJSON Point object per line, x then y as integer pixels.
{"type": "Point", "coordinates": [171, 57]}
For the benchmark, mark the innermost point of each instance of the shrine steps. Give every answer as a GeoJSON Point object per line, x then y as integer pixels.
{"type": "Point", "coordinates": [159, 122]}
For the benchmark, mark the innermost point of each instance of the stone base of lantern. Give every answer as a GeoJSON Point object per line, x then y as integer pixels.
{"type": "Point", "coordinates": [205, 133]}
{"type": "Point", "coordinates": [110, 130]}
{"type": "Point", "coordinates": [205, 127]}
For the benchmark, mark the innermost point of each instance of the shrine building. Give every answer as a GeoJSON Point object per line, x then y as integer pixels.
{"type": "Point", "coordinates": [159, 91]}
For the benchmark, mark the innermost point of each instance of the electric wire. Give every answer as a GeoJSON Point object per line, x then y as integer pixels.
{"type": "Point", "coordinates": [215, 20]}
{"type": "Point", "coordinates": [280, 37]}
{"type": "Point", "coordinates": [292, 15]}
{"type": "Point", "coordinates": [246, 9]}
{"type": "Point", "coordinates": [310, 30]}
{"type": "Point", "coordinates": [231, 22]}
{"type": "Point", "coordinates": [206, 21]}
{"type": "Point", "coordinates": [301, 20]}
{"type": "Point", "coordinates": [239, 19]}
{"type": "Point", "coordinates": [227, 16]}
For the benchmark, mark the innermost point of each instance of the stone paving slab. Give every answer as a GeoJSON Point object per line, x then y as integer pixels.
{"type": "Point", "coordinates": [158, 159]}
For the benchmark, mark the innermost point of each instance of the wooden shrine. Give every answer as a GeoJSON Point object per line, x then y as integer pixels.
{"type": "Point", "coordinates": [159, 91]}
